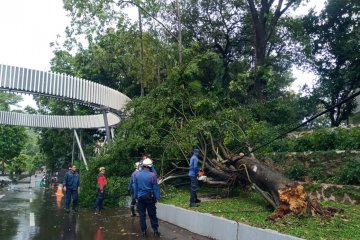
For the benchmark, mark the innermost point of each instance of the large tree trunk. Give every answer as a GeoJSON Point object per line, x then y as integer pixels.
{"type": "Point", "coordinates": [264, 27]}
{"type": "Point", "coordinates": [285, 195]}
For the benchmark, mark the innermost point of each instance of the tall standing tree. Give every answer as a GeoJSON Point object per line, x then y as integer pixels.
{"type": "Point", "coordinates": [335, 40]}
{"type": "Point", "coordinates": [265, 17]}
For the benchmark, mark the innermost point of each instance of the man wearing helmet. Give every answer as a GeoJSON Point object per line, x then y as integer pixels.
{"type": "Point", "coordinates": [100, 195]}
{"type": "Point", "coordinates": [131, 188]}
{"type": "Point", "coordinates": [147, 193]}
{"type": "Point", "coordinates": [143, 157]}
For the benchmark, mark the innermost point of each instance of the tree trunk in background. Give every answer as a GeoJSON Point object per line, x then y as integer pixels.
{"type": "Point", "coordinates": [265, 21]}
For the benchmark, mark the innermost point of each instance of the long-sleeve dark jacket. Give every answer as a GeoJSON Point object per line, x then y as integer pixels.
{"type": "Point", "coordinates": [72, 180]}
{"type": "Point", "coordinates": [146, 182]}
{"type": "Point", "coordinates": [194, 169]}
{"type": "Point", "coordinates": [131, 186]}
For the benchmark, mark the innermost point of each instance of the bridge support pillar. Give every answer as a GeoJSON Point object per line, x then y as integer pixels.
{"type": "Point", "coordinates": [73, 150]}
{"type": "Point", "coordinates": [107, 129]}
{"type": "Point", "coordinates": [80, 148]}
{"type": "Point", "coordinates": [112, 133]}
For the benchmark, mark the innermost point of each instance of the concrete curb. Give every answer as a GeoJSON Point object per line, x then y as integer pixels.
{"type": "Point", "coordinates": [215, 227]}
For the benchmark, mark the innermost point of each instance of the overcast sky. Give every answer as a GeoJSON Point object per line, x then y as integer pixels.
{"type": "Point", "coordinates": [29, 26]}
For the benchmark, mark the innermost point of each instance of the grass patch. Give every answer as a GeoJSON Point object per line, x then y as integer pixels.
{"type": "Point", "coordinates": [249, 207]}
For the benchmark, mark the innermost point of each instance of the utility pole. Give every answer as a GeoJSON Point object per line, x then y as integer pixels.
{"type": "Point", "coordinates": [179, 31]}
{"type": "Point", "coordinates": [142, 92]}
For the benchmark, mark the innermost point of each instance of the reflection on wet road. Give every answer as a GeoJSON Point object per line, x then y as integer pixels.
{"type": "Point", "coordinates": [38, 214]}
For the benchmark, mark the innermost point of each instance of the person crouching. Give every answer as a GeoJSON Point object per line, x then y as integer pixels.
{"type": "Point", "coordinates": [147, 193]}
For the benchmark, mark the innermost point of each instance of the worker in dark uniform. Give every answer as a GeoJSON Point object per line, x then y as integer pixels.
{"type": "Point", "coordinates": [71, 188]}
{"type": "Point", "coordinates": [143, 157]}
{"type": "Point", "coordinates": [131, 188]}
{"type": "Point", "coordinates": [147, 193]}
{"type": "Point", "coordinates": [193, 174]}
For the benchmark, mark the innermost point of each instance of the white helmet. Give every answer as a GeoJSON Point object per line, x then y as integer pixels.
{"type": "Point", "coordinates": [147, 162]}
{"type": "Point", "coordinates": [136, 165]}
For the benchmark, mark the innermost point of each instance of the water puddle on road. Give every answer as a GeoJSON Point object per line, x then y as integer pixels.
{"type": "Point", "coordinates": [43, 218]}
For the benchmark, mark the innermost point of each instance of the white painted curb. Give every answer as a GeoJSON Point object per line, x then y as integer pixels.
{"type": "Point", "coordinates": [215, 227]}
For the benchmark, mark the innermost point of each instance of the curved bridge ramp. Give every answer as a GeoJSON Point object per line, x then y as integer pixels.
{"type": "Point", "coordinates": [58, 85]}
{"type": "Point", "coordinates": [54, 121]}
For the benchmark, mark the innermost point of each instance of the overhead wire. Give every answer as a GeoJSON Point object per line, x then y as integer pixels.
{"type": "Point", "coordinates": [305, 123]}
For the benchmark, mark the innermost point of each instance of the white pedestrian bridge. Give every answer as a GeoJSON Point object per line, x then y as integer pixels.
{"type": "Point", "coordinates": [61, 86]}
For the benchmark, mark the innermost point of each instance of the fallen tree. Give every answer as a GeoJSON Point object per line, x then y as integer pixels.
{"type": "Point", "coordinates": [283, 194]}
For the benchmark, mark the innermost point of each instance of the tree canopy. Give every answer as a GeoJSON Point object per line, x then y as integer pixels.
{"type": "Point", "coordinates": [12, 138]}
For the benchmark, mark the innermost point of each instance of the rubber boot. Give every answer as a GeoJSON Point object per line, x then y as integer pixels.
{"type": "Point", "coordinates": [132, 208]}
{"type": "Point", "coordinates": [156, 233]}
{"type": "Point", "coordinates": [194, 205]}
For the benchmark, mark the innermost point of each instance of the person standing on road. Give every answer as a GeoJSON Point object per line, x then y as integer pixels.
{"type": "Point", "coordinates": [100, 193]}
{"type": "Point", "coordinates": [71, 188]}
{"type": "Point", "coordinates": [131, 188]}
{"type": "Point", "coordinates": [193, 173]}
{"type": "Point", "coordinates": [147, 193]}
{"type": "Point", "coordinates": [143, 157]}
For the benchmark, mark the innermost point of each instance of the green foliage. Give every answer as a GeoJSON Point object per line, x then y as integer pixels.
{"type": "Point", "coordinates": [18, 164]}
{"type": "Point", "coordinates": [12, 142]}
{"type": "Point", "coordinates": [119, 166]}
{"type": "Point", "coordinates": [186, 111]}
{"type": "Point", "coordinates": [320, 140]}
{"type": "Point", "coordinates": [349, 173]}
{"type": "Point", "coordinates": [296, 172]}
{"type": "Point", "coordinates": [318, 174]}
{"type": "Point", "coordinates": [116, 189]}
{"type": "Point", "coordinates": [334, 36]}
{"type": "Point", "coordinates": [8, 99]}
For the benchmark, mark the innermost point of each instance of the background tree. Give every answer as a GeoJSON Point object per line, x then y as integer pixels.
{"type": "Point", "coordinates": [335, 41]}
{"type": "Point", "coordinates": [12, 141]}
{"type": "Point", "coordinates": [8, 99]}
{"type": "Point", "coordinates": [265, 17]}
{"type": "Point", "coordinates": [12, 138]}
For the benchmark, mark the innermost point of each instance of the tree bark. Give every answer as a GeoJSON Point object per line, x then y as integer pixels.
{"type": "Point", "coordinates": [285, 195]}
{"type": "Point", "coordinates": [264, 28]}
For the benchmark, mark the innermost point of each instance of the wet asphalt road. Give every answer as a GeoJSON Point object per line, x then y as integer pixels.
{"type": "Point", "coordinates": [37, 213]}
